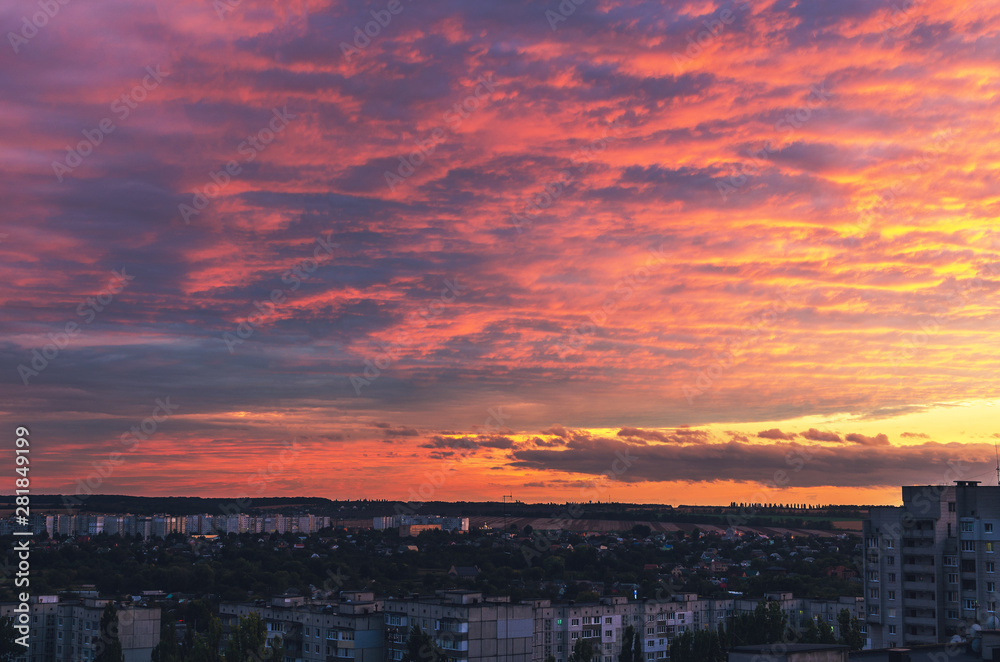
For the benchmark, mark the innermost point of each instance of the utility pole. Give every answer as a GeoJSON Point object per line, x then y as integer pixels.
{"type": "Point", "coordinates": [504, 499]}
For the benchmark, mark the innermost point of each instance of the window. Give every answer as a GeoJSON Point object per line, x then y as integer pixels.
{"type": "Point", "coordinates": [991, 587]}
{"type": "Point", "coordinates": [952, 577]}
{"type": "Point", "coordinates": [873, 610]}
{"type": "Point", "coordinates": [607, 621]}
{"type": "Point", "coordinates": [890, 595]}
{"type": "Point", "coordinates": [970, 604]}
{"type": "Point", "coordinates": [965, 527]}
{"type": "Point", "coordinates": [892, 577]}
{"type": "Point", "coordinates": [873, 575]}
{"type": "Point", "coordinates": [574, 635]}
{"type": "Point", "coordinates": [890, 543]}
{"type": "Point", "coordinates": [607, 634]}
{"type": "Point", "coordinates": [991, 566]}
{"type": "Point", "coordinates": [991, 605]}
{"type": "Point", "coordinates": [951, 613]}
{"type": "Point", "coordinates": [951, 506]}
{"type": "Point", "coordinates": [988, 527]}
{"type": "Point", "coordinates": [989, 547]}
{"type": "Point", "coordinates": [650, 631]}
{"type": "Point", "coordinates": [892, 629]}
{"type": "Point", "coordinates": [952, 596]}
{"type": "Point", "coordinates": [968, 545]}
{"type": "Point", "coordinates": [574, 621]}
{"type": "Point", "coordinates": [890, 560]}
{"type": "Point", "coordinates": [873, 593]}
{"type": "Point", "coordinates": [951, 561]}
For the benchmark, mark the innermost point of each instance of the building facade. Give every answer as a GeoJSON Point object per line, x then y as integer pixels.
{"type": "Point", "coordinates": [69, 631]}
{"type": "Point", "coordinates": [350, 629]}
{"type": "Point", "coordinates": [930, 564]}
{"type": "Point", "coordinates": [464, 624]}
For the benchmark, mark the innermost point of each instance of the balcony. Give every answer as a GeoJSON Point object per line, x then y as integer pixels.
{"type": "Point", "coordinates": [924, 568]}
{"type": "Point", "coordinates": [920, 620]}
{"type": "Point", "coordinates": [926, 603]}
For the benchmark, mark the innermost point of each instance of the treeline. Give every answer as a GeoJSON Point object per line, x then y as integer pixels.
{"type": "Point", "coordinates": [246, 643]}
{"type": "Point", "coordinates": [767, 624]}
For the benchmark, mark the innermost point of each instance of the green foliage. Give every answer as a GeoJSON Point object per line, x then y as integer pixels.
{"type": "Point", "coordinates": [9, 648]}
{"type": "Point", "coordinates": [420, 647]}
{"type": "Point", "coordinates": [167, 650]}
{"type": "Point", "coordinates": [826, 635]}
{"type": "Point", "coordinates": [247, 641]}
{"type": "Point", "coordinates": [583, 651]}
{"type": "Point", "coordinates": [850, 631]}
{"type": "Point", "coordinates": [627, 636]}
{"type": "Point", "coordinates": [697, 646]}
{"type": "Point", "coordinates": [109, 648]}
{"type": "Point", "coordinates": [207, 644]}
{"type": "Point", "coordinates": [767, 624]}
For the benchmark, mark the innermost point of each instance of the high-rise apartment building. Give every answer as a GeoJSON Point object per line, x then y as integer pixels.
{"type": "Point", "coordinates": [69, 631]}
{"type": "Point", "coordinates": [930, 564]}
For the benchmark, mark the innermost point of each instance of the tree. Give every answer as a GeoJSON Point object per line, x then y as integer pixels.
{"type": "Point", "coordinates": [850, 631]}
{"type": "Point", "coordinates": [206, 645]}
{"type": "Point", "coordinates": [420, 647]}
{"type": "Point", "coordinates": [167, 650]}
{"type": "Point", "coordinates": [583, 651]}
{"type": "Point", "coordinates": [9, 648]}
{"type": "Point", "coordinates": [109, 648]}
{"type": "Point", "coordinates": [826, 635]}
{"type": "Point", "coordinates": [627, 637]}
{"type": "Point", "coordinates": [248, 641]}
{"type": "Point", "coordinates": [637, 648]}
{"type": "Point", "coordinates": [810, 634]}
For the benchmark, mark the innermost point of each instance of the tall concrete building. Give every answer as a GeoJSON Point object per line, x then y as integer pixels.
{"type": "Point", "coordinates": [70, 631]}
{"type": "Point", "coordinates": [930, 564]}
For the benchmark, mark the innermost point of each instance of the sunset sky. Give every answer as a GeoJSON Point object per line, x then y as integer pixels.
{"type": "Point", "coordinates": [447, 250]}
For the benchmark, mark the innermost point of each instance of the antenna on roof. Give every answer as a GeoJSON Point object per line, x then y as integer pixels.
{"type": "Point", "coordinates": [997, 453]}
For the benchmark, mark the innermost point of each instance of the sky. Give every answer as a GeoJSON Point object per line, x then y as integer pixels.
{"type": "Point", "coordinates": [596, 250]}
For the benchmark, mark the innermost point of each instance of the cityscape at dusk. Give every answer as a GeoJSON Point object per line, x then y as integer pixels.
{"type": "Point", "coordinates": [500, 330]}
{"type": "Point", "coordinates": [331, 249]}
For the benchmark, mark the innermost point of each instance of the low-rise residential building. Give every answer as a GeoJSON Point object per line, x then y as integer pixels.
{"type": "Point", "coordinates": [317, 631]}
{"type": "Point", "coordinates": [467, 626]}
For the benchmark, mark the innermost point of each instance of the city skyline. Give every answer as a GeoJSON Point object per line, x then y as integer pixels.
{"type": "Point", "coordinates": [695, 253]}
